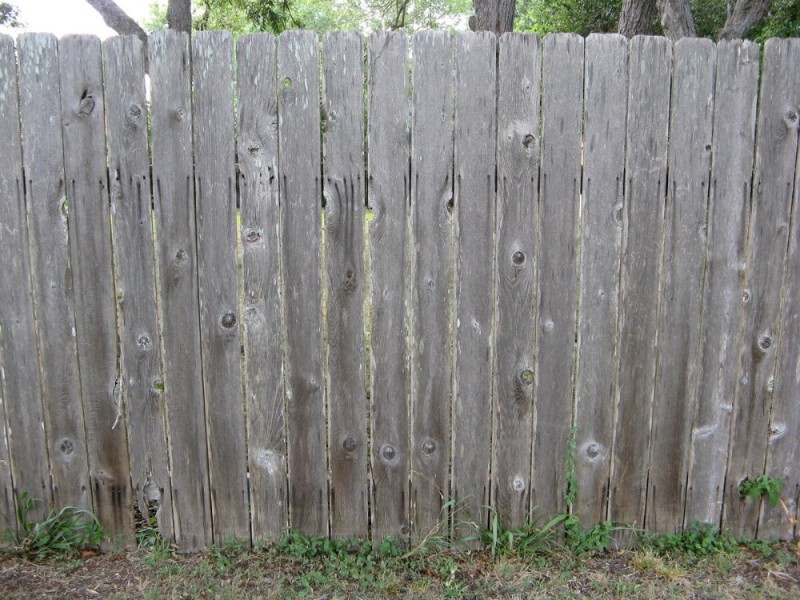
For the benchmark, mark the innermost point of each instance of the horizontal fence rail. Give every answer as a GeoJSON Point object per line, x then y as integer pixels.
{"type": "Point", "coordinates": [316, 288]}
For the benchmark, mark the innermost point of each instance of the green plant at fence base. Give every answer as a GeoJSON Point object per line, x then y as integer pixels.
{"type": "Point", "coordinates": [762, 486]}
{"type": "Point", "coordinates": [698, 539]}
{"type": "Point", "coordinates": [65, 532]}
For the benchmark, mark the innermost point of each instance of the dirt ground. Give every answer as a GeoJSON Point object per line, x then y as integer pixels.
{"type": "Point", "coordinates": [767, 572]}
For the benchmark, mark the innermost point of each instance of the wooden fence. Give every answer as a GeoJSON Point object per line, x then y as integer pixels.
{"type": "Point", "coordinates": [316, 288]}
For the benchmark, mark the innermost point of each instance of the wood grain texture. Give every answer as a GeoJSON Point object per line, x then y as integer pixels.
{"type": "Point", "coordinates": [301, 191]}
{"type": "Point", "coordinates": [141, 379]}
{"type": "Point", "coordinates": [51, 272]}
{"type": "Point", "coordinates": [732, 147]}
{"type": "Point", "coordinates": [519, 89]}
{"type": "Point", "coordinates": [475, 56]}
{"type": "Point", "coordinates": [683, 267]}
{"type": "Point", "coordinates": [783, 451]}
{"type": "Point", "coordinates": [20, 385]}
{"type": "Point", "coordinates": [343, 191]}
{"type": "Point", "coordinates": [257, 151]}
{"type": "Point", "coordinates": [83, 122]}
{"type": "Point", "coordinates": [645, 179]}
{"type": "Point", "coordinates": [215, 201]}
{"type": "Point", "coordinates": [773, 181]}
{"type": "Point", "coordinates": [559, 199]}
{"type": "Point", "coordinates": [389, 196]}
{"type": "Point", "coordinates": [605, 113]}
{"type": "Point", "coordinates": [432, 234]}
{"type": "Point", "coordinates": [173, 191]}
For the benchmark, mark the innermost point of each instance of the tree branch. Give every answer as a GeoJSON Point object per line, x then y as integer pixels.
{"type": "Point", "coordinates": [118, 19]}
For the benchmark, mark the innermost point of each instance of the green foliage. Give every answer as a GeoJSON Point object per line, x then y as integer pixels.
{"type": "Point", "coordinates": [9, 15]}
{"type": "Point", "coordinates": [782, 20]}
{"type": "Point", "coordinates": [575, 16]}
{"type": "Point", "coordinates": [66, 532]}
{"type": "Point", "coordinates": [762, 486]}
{"type": "Point", "coordinates": [699, 539]}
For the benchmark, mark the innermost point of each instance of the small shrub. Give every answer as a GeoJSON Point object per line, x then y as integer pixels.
{"type": "Point", "coordinates": [762, 486]}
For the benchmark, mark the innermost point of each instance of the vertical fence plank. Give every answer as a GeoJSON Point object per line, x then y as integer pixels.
{"type": "Point", "coordinates": [731, 172]}
{"type": "Point", "coordinates": [173, 188]}
{"type": "Point", "coordinates": [215, 200]}
{"type": "Point", "coordinates": [140, 344]}
{"type": "Point", "coordinates": [783, 452]}
{"type": "Point", "coordinates": [388, 194]}
{"type": "Point", "coordinates": [474, 158]}
{"type": "Point", "coordinates": [605, 111]}
{"type": "Point", "coordinates": [21, 385]}
{"type": "Point", "coordinates": [773, 181]}
{"type": "Point", "coordinates": [47, 204]}
{"type": "Point", "coordinates": [343, 190]}
{"type": "Point", "coordinates": [83, 121]}
{"type": "Point", "coordinates": [299, 135]}
{"type": "Point", "coordinates": [559, 197]}
{"type": "Point", "coordinates": [431, 225]}
{"type": "Point", "coordinates": [261, 262]}
{"type": "Point", "coordinates": [645, 179]}
{"type": "Point", "coordinates": [519, 75]}
{"type": "Point", "coordinates": [677, 365]}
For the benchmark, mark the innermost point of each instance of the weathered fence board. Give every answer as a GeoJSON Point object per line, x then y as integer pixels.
{"type": "Point", "coordinates": [257, 152]}
{"type": "Point", "coordinates": [389, 195]}
{"type": "Point", "coordinates": [19, 378]}
{"type": "Point", "coordinates": [432, 235]}
{"type": "Point", "coordinates": [559, 197]}
{"type": "Point", "coordinates": [173, 195]}
{"type": "Point", "coordinates": [474, 168]}
{"type": "Point", "coordinates": [47, 204]}
{"type": "Point", "coordinates": [649, 63]}
{"type": "Point", "coordinates": [519, 88]}
{"type": "Point", "coordinates": [343, 190]}
{"type": "Point", "coordinates": [301, 195]}
{"type": "Point", "coordinates": [141, 382]}
{"type": "Point", "coordinates": [731, 172]}
{"type": "Point", "coordinates": [602, 321]}
{"type": "Point", "coordinates": [783, 451]}
{"type": "Point", "coordinates": [83, 123]}
{"type": "Point", "coordinates": [683, 265]}
{"type": "Point", "coordinates": [605, 112]}
{"type": "Point", "coordinates": [773, 181]}
{"type": "Point", "coordinates": [215, 201]}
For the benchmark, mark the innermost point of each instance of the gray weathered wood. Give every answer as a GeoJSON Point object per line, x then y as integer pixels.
{"type": "Point", "coordinates": [773, 181]}
{"type": "Point", "coordinates": [19, 379]}
{"type": "Point", "coordinates": [173, 191]}
{"type": "Point", "coordinates": [7, 499]}
{"type": "Point", "coordinates": [519, 88]}
{"type": "Point", "coordinates": [649, 62]}
{"type": "Point", "coordinates": [48, 206]}
{"type": "Point", "coordinates": [683, 266]}
{"type": "Point", "coordinates": [141, 381]}
{"type": "Point", "coordinates": [783, 451]}
{"type": "Point", "coordinates": [83, 122]}
{"type": "Point", "coordinates": [343, 190]}
{"type": "Point", "coordinates": [474, 157]}
{"type": "Point", "coordinates": [389, 189]}
{"type": "Point", "coordinates": [559, 197]}
{"type": "Point", "coordinates": [605, 110]}
{"type": "Point", "coordinates": [301, 190]}
{"type": "Point", "coordinates": [731, 172]}
{"type": "Point", "coordinates": [261, 262]}
{"type": "Point", "coordinates": [432, 233]}
{"type": "Point", "coordinates": [215, 202]}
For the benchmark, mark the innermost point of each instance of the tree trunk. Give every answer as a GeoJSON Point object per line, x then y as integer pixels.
{"type": "Point", "coordinates": [118, 19]}
{"type": "Point", "coordinates": [745, 15]}
{"type": "Point", "coordinates": [179, 15]}
{"type": "Point", "coordinates": [493, 15]}
{"type": "Point", "coordinates": [676, 19]}
{"type": "Point", "coordinates": [637, 17]}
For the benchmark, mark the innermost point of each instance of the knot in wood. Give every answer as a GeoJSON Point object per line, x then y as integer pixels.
{"type": "Point", "coordinates": [134, 110]}
{"type": "Point", "coordinates": [388, 452]}
{"type": "Point", "coordinates": [518, 258]}
{"type": "Point", "coordinates": [228, 320]}
{"type": "Point", "coordinates": [528, 141]}
{"type": "Point", "coordinates": [526, 376]}
{"type": "Point", "coordinates": [791, 118]}
{"type": "Point", "coordinates": [764, 342]}
{"type": "Point", "coordinates": [86, 105]}
{"type": "Point", "coordinates": [254, 235]}
{"type": "Point", "coordinates": [144, 343]}
{"type": "Point", "coordinates": [428, 447]}
{"type": "Point", "coordinates": [518, 485]}
{"type": "Point", "coordinates": [349, 444]}
{"type": "Point", "coordinates": [66, 446]}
